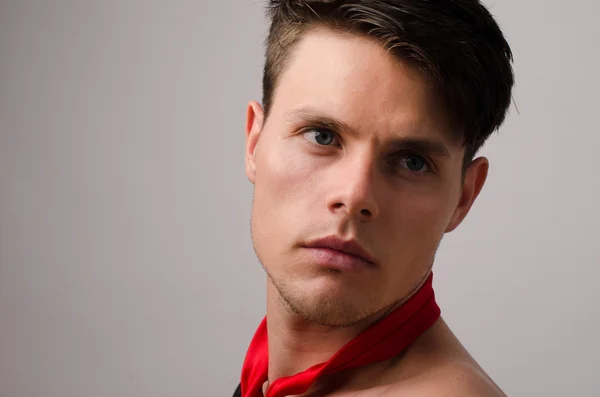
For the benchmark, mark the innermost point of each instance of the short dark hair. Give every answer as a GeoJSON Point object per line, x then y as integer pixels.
{"type": "Point", "coordinates": [456, 43]}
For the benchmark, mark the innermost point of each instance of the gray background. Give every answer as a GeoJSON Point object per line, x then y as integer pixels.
{"type": "Point", "coordinates": [126, 266]}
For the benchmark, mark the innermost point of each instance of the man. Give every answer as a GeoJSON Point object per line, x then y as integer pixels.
{"type": "Point", "coordinates": [362, 157]}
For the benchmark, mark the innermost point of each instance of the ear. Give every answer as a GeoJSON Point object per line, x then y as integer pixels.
{"type": "Point", "coordinates": [254, 124]}
{"type": "Point", "coordinates": [473, 182]}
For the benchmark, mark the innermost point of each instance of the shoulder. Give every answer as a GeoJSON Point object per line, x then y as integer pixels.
{"type": "Point", "coordinates": [454, 379]}
{"type": "Point", "coordinates": [437, 364]}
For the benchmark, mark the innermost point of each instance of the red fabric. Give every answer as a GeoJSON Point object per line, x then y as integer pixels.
{"type": "Point", "coordinates": [382, 341]}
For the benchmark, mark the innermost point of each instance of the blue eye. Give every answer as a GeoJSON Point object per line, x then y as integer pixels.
{"type": "Point", "coordinates": [413, 163]}
{"type": "Point", "coordinates": [321, 137]}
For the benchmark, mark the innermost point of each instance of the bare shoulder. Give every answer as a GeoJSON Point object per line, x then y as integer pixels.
{"type": "Point", "coordinates": [438, 365]}
{"type": "Point", "coordinates": [447, 380]}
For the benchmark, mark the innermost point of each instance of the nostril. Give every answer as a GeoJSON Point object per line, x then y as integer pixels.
{"type": "Point", "coordinates": [365, 212]}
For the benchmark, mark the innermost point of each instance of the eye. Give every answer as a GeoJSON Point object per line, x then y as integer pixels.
{"type": "Point", "coordinates": [412, 162]}
{"type": "Point", "coordinates": [320, 136]}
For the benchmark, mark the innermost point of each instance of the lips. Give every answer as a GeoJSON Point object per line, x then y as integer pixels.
{"type": "Point", "coordinates": [350, 247]}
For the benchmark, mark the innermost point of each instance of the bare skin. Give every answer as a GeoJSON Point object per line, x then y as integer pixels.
{"type": "Point", "coordinates": [337, 156]}
{"type": "Point", "coordinates": [437, 365]}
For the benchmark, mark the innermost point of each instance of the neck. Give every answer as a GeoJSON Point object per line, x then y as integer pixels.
{"type": "Point", "coordinates": [296, 344]}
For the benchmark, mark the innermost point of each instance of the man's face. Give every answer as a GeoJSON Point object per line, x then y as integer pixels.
{"type": "Point", "coordinates": [355, 146]}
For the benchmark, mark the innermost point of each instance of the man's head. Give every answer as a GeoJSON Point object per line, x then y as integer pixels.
{"type": "Point", "coordinates": [373, 112]}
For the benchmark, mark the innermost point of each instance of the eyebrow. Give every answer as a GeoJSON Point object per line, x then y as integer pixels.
{"type": "Point", "coordinates": [312, 116]}
{"type": "Point", "coordinates": [421, 145]}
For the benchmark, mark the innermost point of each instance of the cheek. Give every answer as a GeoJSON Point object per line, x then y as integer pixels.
{"type": "Point", "coordinates": [413, 229]}
{"type": "Point", "coordinates": [422, 217]}
{"type": "Point", "coordinates": [284, 179]}
{"type": "Point", "coordinates": [285, 174]}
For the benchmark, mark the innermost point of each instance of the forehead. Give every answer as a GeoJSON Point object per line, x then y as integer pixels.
{"type": "Point", "coordinates": [354, 79]}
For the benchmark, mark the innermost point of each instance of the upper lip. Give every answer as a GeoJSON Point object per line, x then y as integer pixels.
{"type": "Point", "coordinates": [348, 246]}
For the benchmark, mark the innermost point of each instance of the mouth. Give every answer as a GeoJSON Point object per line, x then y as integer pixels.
{"type": "Point", "coordinates": [335, 253]}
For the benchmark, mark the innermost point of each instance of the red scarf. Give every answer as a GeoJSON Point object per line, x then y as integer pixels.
{"type": "Point", "coordinates": [382, 341]}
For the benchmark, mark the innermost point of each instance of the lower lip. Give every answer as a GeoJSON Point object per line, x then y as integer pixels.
{"type": "Point", "coordinates": [333, 259]}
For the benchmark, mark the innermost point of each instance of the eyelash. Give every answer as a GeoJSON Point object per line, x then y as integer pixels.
{"type": "Point", "coordinates": [393, 158]}
{"type": "Point", "coordinates": [405, 154]}
{"type": "Point", "coordinates": [320, 129]}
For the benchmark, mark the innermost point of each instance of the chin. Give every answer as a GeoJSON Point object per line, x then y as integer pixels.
{"type": "Point", "coordinates": [328, 302]}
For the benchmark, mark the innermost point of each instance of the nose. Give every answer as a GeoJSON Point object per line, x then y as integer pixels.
{"type": "Point", "coordinates": [353, 189]}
